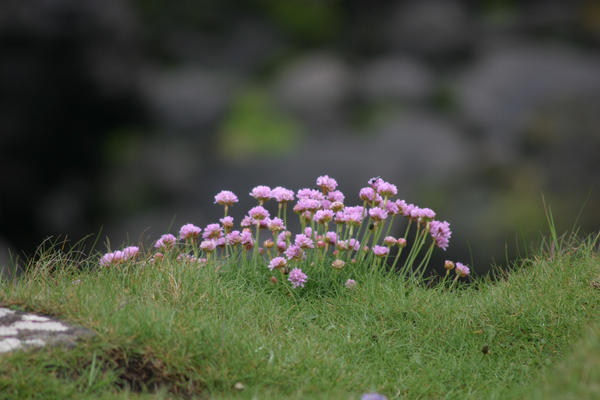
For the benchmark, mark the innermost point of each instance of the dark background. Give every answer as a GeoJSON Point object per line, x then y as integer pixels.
{"type": "Point", "coordinates": [128, 116]}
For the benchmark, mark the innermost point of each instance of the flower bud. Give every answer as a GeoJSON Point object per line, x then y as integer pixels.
{"type": "Point", "coordinates": [401, 243]}
{"type": "Point", "coordinates": [338, 264]}
{"type": "Point", "coordinates": [448, 265]}
{"type": "Point", "coordinates": [268, 243]}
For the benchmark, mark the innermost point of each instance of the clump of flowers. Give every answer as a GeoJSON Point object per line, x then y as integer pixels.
{"type": "Point", "coordinates": [333, 236]}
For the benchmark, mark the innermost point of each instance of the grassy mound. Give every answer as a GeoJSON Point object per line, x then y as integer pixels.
{"type": "Point", "coordinates": [218, 332]}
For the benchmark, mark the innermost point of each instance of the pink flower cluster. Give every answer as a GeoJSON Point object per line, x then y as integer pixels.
{"type": "Point", "coordinates": [119, 256]}
{"type": "Point", "coordinates": [329, 228]}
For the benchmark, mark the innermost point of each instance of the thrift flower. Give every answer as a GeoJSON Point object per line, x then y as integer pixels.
{"type": "Point", "coordinates": [297, 277]}
{"type": "Point", "coordinates": [462, 270]}
{"type": "Point", "coordinates": [208, 245]}
{"type": "Point", "coordinates": [212, 231]}
{"type": "Point", "coordinates": [390, 241]}
{"type": "Point", "coordinates": [449, 265]}
{"type": "Point", "coordinates": [331, 237]}
{"type": "Point", "coordinates": [311, 194]}
{"type": "Point", "coordinates": [367, 194]}
{"type": "Point", "coordinates": [323, 216]}
{"type": "Point", "coordinates": [354, 244]}
{"type": "Point", "coordinates": [350, 284]}
{"type": "Point", "coordinates": [226, 198]}
{"type": "Point", "coordinates": [336, 206]}
{"type": "Point", "coordinates": [276, 225]}
{"type": "Point", "coordinates": [227, 223]}
{"type": "Point", "coordinates": [277, 262]}
{"type": "Point", "coordinates": [247, 240]}
{"type": "Point", "coordinates": [401, 242]}
{"type": "Point", "coordinates": [381, 251]}
{"type": "Point", "coordinates": [294, 252]}
{"type": "Point", "coordinates": [335, 195]}
{"type": "Point", "coordinates": [233, 238]}
{"type": "Point", "coordinates": [387, 189]}
{"type": "Point", "coordinates": [258, 213]}
{"type": "Point", "coordinates": [304, 242]}
{"type": "Point", "coordinates": [189, 231]}
{"type": "Point", "coordinates": [166, 241]}
{"type": "Point", "coordinates": [261, 193]}
{"type": "Point", "coordinates": [440, 232]}
{"type": "Point", "coordinates": [378, 214]}
{"type": "Point", "coordinates": [130, 252]}
{"type": "Point", "coordinates": [282, 195]}
{"type": "Point", "coordinates": [107, 259]}
{"type": "Point", "coordinates": [338, 264]}
{"type": "Point", "coordinates": [326, 183]}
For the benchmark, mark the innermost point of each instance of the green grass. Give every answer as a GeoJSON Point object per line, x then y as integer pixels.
{"type": "Point", "coordinates": [176, 330]}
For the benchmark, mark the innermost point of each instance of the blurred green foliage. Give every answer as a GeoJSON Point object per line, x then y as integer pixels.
{"type": "Point", "coordinates": [255, 127]}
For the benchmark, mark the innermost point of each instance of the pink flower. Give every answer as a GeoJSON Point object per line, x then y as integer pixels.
{"type": "Point", "coordinates": [331, 237]}
{"type": "Point", "coordinates": [221, 241]}
{"type": "Point", "coordinates": [227, 223]}
{"type": "Point", "coordinates": [282, 195]}
{"type": "Point", "coordinates": [378, 214]}
{"type": "Point", "coordinates": [390, 241]}
{"type": "Point", "coordinates": [392, 208]}
{"type": "Point", "coordinates": [350, 284]}
{"type": "Point", "coordinates": [402, 207]}
{"type": "Point", "coordinates": [247, 240]}
{"type": "Point", "coordinates": [208, 245]}
{"type": "Point", "coordinates": [310, 194]}
{"type": "Point", "coordinates": [342, 245]}
{"type": "Point", "coordinates": [336, 206]}
{"type": "Point", "coordinates": [304, 242]}
{"type": "Point", "coordinates": [246, 222]}
{"type": "Point", "coordinates": [305, 204]}
{"type": "Point", "coordinates": [258, 213]}
{"type": "Point", "coordinates": [261, 193]}
{"type": "Point", "coordinates": [233, 238]}
{"type": "Point", "coordinates": [308, 231]}
{"type": "Point", "coordinates": [381, 251]}
{"type": "Point", "coordinates": [335, 195]}
{"type": "Point", "coordinates": [294, 252]}
{"type": "Point", "coordinates": [375, 182]}
{"type": "Point", "coordinates": [326, 183]}
{"type": "Point", "coordinates": [297, 278]}
{"type": "Point", "coordinates": [387, 189]}
{"type": "Point", "coordinates": [281, 246]}
{"type": "Point", "coordinates": [401, 243]}
{"type": "Point", "coordinates": [462, 270]}
{"type": "Point", "coordinates": [323, 216]}
{"type": "Point", "coordinates": [367, 194]}
{"type": "Point", "coordinates": [166, 241]}
{"type": "Point", "coordinates": [107, 259]}
{"type": "Point", "coordinates": [226, 198]}
{"type": "Point", "coordinates": [188, 231]}
{"type": "Point", "coordinates": [354, 244]}
{"type": "Point", "coordinates": [277, 262]}
{"type": "Point", "coordinates": [212, 231]}
{"type": "Point", "coordinates": [130, 252]}
{"type": "Point", "coordinates": [276, 225]}
{"type": "Point", "coordinates": [440, 232]}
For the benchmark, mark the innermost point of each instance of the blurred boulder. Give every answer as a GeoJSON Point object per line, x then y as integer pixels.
{"type": "Point", "coordinates": [395, 78]}
{"type": "Point", "coordinates": [188, 100]}
{"type": "Point", "coordinates": [504, 91]}
{"type": "Point", "coordinates": [429, 27]}
{"type": "Point", "coordinates": [314, 88]}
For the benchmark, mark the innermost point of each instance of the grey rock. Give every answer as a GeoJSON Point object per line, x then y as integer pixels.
{"type": "Point", "coordinates": [395, 78]}
{"type": "Point", "coordinates": [314, 88]}
{"type": "Point", "coordinates": [19, 330]}
{"type": "Point", "coordinates": [506, 89]}
{"type": "Point", "coordinates": [430, 27]}
{"type": "Point", "coordinates": [188, 100]}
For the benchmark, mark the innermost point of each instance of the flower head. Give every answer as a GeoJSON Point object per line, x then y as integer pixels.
{"type": "Point", "coordinates": [226, 198]}
{"type": "Point", "coordinates": [387, 189]}
{"type": "Point", "coordinates": [277, 262]}
{"type": "Point", "coordinates": [258, 213]}
{"type": "Point", "coordinates": [378, 214]}
{"type": "Point", "coordinates": [462, 270]}
{"type": "Point", "coordinates": [130, 252]}
{"type": "Point", "coordinates": [304, 241]}
{"type": "Point", "coordinates": [166, 241]}
{"type": "Point", "coordinates": [335, 195]}
{"type": "Point", "coordinates": [208, 245]}
{"type": "Point", "coordinates": [323, 216]}
{"type": "Point", "coordinates": [331, 237]}
{"type": "Point", "coordinates": [276, 225]}
{"type": "Point", "coordinates": [107, 259]}
{"type": "Point", "coordinates": [310, 194]}
{"type": "Point", "coordinates": [233, 238]}
{"type": "Point", "coordinates": [227, 223]}
{"type": "Point", "coordinates": [326, 183]}
{"type": "Point", "coordinates": [189, 231]}
{"type": "Point", "coordinates": [367, 194]}
{"type": "Point", "coordinates": [448, 265]}
{"type": "Point", "coordinates": [297, 278]}
{"type": "Point", "coordinates": [282, 195]}
{"type": "Point", "coordinates": [390, 241]}
{"type": "Point", "coordinates": [350, 284]}
{"type": "Point", "coordinates": [261, 193]}
{"type": "Point", "coordinates": [381, 251]}
{"type": "Point", "coordinates": [294, 252]}
{"type": "Point", "coordinates": [440, 232]}
{"type": "Point", "coordinates": [338, 264]}
{"type": "Point", "coordinates": [212, 231]}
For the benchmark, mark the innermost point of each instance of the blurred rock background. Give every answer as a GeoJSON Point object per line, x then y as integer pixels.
{"type": "Point", "coordinates": [128, 116]}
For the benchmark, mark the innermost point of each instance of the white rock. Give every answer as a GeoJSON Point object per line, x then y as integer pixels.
{"type": "Point", "coordinates": [5, 311]}
{"type": "Point", "coordinates": [39, 326]}
{"type": "Point", "coordinates": [9, 344]}
{"type": "Point", "coordinates": [33, 317]}
{"type": "Point", "coordinates": [6, 331]}
{"type": "Point", "coordinates": [35, 342]}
